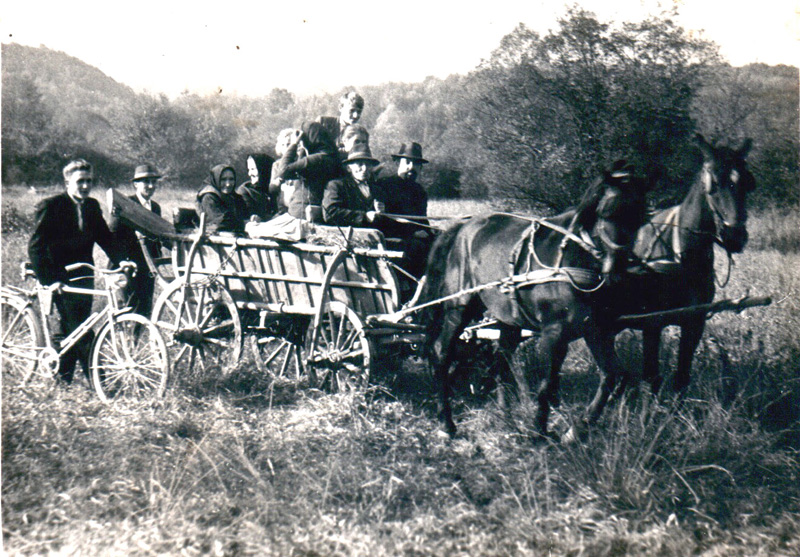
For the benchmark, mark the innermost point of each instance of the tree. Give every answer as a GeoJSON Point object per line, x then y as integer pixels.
{"type": "Point", "coordinates": [550, 113]}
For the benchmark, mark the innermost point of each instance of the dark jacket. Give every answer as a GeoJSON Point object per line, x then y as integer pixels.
{"type": "Point", "coordinates": [57, 240]}
{"type": "Point", "coordinates": [224, 213]}
{"type": "Point", "coordinates": [345, 205]}
{"type": "Point", "coordinates": [257, 198]}
{"type": "Point", "coordinates": [316, 169]}
{"type": "Point", "coordinates": [403, 197]}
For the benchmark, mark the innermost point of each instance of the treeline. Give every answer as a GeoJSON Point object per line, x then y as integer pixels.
{"type": "Point", "coordinates": [533, 124]}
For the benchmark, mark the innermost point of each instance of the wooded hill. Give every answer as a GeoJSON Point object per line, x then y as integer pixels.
{"type": "Point", "coordinates": [533, 124]}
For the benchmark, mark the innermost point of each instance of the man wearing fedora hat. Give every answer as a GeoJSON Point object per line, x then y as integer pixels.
{"type": "Point", "coordinates": [355, 199]}
{"type": "Point", "coordinates": [140, 289]}
{"type": "Point", "coordinates": [405, 196]}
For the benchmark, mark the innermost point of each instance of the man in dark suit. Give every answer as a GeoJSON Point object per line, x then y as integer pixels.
{"type": "Point", "coordinates": [67, 227]}
{"type": "Point", "coordinates": [405, 196]}
{"type": "Point", "coordinates": [139, 294]}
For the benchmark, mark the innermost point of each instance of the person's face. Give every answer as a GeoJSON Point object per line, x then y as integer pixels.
{"type": "Point", "coordinates": [146, 187]}
{"type": "Point", "coordinates": [408, 169]}
{"type": "Point", "coordinates": [359, 170]}
{"type": "Point", "coordinates": [355, 140]}
{"type": "Point", "coordinates": [252, 170]}
{"type": "Point", "coordinates": [79, 184]}
{"type": "Point", "coordinates": [349, 114]}
{"type": "Point", "coordinates": [227, 181]}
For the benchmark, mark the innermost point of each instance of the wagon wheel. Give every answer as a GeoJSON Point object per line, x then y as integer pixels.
{"type": "Point", "coordinates": [338, 352]}
{"type": "Point", "coordinates": [279, 350]}
{"type": "Point", "coordinates": [201, 326]}
{"type": "Point", "coordinates": [21, 344]}
{"type": "Point", "coordinates": [129, 359]}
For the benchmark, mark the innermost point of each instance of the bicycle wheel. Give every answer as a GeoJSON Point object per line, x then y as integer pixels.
{"type": "Point", "coordinates": [201, 326]}
{"type": "Point", "coordinates": [129, 359]}
{"type": "Point", "coordinates": [21, 343]}
{"type": "Point", "coordinates": [339, 353]}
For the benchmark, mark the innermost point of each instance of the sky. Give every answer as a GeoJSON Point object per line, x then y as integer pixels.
{"type": "Point", "coordinates": [316, 46]}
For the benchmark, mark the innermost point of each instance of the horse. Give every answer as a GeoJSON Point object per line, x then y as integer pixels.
{"type": "Point", "coordinates": [537, 274]}
{"type": "Point", "coordinates": [675, 253]}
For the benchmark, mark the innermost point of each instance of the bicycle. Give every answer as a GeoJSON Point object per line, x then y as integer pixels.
{"type": "Point", "coordinates": [128, 357]}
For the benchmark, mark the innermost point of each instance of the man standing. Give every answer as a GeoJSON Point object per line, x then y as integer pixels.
{"type": "Point", "coordinates": [351, 105]}
{"type": "Point", "coordinates": [67, 227]}
{"type": "Point", "coordinates": [140, 290]}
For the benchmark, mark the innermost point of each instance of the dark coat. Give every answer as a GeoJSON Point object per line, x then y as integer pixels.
{"type": "Point", "coordinates": [142, 286]}
{"type": "Point", "coordinates": [345, 205]}
{"type": "Point", "coordinates": [224, 213]}
{"type": "Point", "coordinates": [257, 198]}
{"type": "Point", "coordinates": [316, 169]}
{"type": "Point", "coordinates": [57, 240]}
{"type": "Point", "coordinates": [403, 197]}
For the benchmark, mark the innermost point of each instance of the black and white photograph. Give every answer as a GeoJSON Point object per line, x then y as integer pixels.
{"type": "Point", "coordinates": [400, 278]}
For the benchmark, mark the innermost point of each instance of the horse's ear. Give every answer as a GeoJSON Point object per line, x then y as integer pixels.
{"type": "Point", "coordinates": [705, 147]}
{"type": "Point", "coordinates": [745, 148]}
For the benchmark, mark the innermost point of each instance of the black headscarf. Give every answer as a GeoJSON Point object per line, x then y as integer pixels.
{"type": "Point", "coordinates": [215, 174]}
{"type": "Point", "coordinates": [264, 166]}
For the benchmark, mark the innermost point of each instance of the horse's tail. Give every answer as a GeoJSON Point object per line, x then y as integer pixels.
{"type": "Point", "coordinates": [433, 281]}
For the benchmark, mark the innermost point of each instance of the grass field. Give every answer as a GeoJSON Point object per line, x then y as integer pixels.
{"type": "Point", "coordinates": [243, 466]}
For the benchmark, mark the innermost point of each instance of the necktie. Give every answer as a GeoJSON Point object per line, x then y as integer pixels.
{"type": "Point", "coordinates": [81, 218]}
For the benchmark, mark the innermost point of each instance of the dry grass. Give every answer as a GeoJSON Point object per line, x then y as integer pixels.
{"type": "Point", "coordinates": [229, 470]}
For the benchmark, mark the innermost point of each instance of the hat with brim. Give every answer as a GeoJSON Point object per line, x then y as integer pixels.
{"type": "Point", "coordinates": [145, 171]}
{"type": "Point", "coordinates": [412, 151]}
{"type": "Point", "coordinates": [621, 169]}
{"type": "Point", "coordinates": [360, 154]}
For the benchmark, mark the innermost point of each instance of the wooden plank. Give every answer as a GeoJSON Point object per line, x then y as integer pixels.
{"type": "Point", "coordinates": [674, 316]}
{"type": "Point", "coordinates": [131, 213]}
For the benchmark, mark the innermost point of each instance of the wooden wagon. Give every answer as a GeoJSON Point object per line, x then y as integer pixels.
{"type": "Point", "coordinates": [304, 307]}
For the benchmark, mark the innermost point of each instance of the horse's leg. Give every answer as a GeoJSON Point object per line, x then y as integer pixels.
{"type": "Point", "coordinates": [601, 344]}
{"type": "Point", "coordinates": [551, 349]}
{"type": "Point", "coordinates": [651, 344]}
{"type": "Point", "coordinates": [441, 354]}
{"type": "Point", "coordinates": [510, 338]}
{"type": "Point", "coordinates": [691, 333]}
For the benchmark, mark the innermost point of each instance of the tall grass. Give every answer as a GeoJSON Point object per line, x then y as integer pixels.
{"type": "Point", "coordinates": [241, 466]}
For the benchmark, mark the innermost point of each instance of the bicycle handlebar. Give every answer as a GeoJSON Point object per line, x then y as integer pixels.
{"type": "Point", "coordinates": [123, 265]}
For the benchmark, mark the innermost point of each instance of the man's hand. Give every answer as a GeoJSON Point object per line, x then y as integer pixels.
{"type": "Point", "coordinates": [380, 206]}
{"type": "Point", "coordinates": [57, 287]}
{"type": "Point", "coordinates": [128, 267]}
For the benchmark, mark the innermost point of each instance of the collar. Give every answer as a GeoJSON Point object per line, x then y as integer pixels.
{"type": "Point", "coordinates": [147, 203]}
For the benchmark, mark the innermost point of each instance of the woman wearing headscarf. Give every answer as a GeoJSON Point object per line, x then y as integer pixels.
{"type": "Point", "coordinates": [225, 210]}
{"type": "Point", "coordinates": [312, 156]}
{"type": "Point", "coordinates": [255, 192]}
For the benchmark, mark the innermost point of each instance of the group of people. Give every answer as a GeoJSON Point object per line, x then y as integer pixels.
{"type": "Point", "coordinates": [323, 174]}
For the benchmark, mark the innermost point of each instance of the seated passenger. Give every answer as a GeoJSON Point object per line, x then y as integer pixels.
{"type": "Point", "coordinates": [224, 209]}
{"type": "Point", "coordinates": [351, 106]}
{"type": "Point", "coordinates": [354, 136]}
{"type": "Point", "coordinates": [259, 203]}
{"type": "Point", "coordinates": [355, 199]}
{"type": "Point", "coordinates": [282, 189]}
{"type": "Point", "coordinates": [310, 156]}
{"type": "Point", "coordinates": [405, 196]}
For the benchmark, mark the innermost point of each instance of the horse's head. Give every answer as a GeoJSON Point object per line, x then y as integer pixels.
{"type": "Point", "coordinates": [727, 181]}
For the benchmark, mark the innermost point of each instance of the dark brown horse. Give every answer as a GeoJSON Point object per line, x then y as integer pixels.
{"type": "Point", "coordinates": [524, 274]}
{"type": "Point", "coordinates": [676, 248]}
